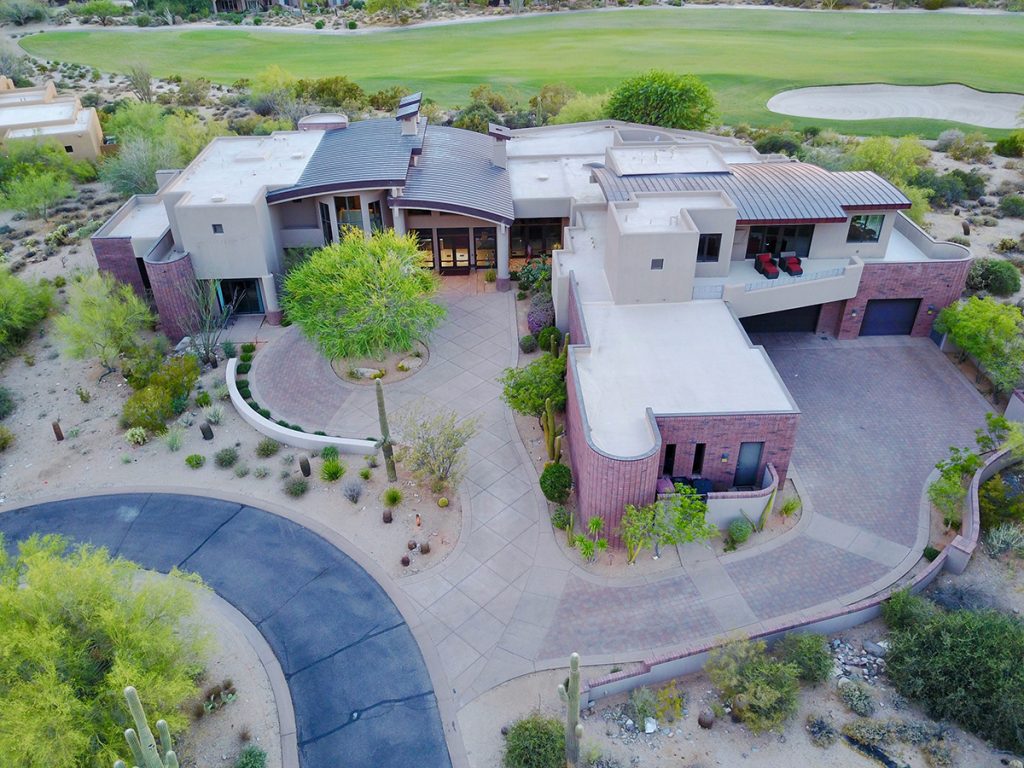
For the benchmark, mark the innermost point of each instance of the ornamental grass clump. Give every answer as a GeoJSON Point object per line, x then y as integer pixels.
{"type": "Point", "coordinates": [331, 470]}
{"type": "Point", "coordinates": [761, 691]}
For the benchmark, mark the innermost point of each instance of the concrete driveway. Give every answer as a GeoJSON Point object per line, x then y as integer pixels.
{"type": "Point", "coordinates": [360, 689]}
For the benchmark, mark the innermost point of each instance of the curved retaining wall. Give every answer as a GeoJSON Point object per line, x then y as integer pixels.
{"type": "Point", "coordinates": [290, 436]}
{"type": "Point", "coordinates": [954, 558]}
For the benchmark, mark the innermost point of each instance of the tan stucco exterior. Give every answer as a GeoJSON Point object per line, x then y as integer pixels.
{"type": "Point", "coordinates": [38, 113]}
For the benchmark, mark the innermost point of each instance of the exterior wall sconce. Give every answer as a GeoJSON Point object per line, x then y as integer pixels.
{"type": "Point", "coordinates": [853, 312]}
{"type": "Point", "coordinates": [725, 458]}
{"type": "Point", "coordinates": [931, 309]}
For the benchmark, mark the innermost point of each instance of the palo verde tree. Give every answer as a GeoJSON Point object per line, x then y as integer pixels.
{"type": "Point", "coordinates": [363, 297]}
{"type": "Point", "coordinates": [667, 522]}
{"type": "Point", "coordinates": [665, 99]}
{"type": "Point", "coordinates": [991, 333]}
{"type": "Point", "coordinates": [77, 627]}
{"type": "Point", "coordinates": [103, 319]}
{"type": "Point", "coordinates": [35, 193]}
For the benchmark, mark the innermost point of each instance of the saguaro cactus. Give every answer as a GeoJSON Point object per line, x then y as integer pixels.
{"type": "Point", "coordinates": [386, 446]}
{"type": "Point", "coordinates": [145, 753]}
{"type": "Point", "coordinates": [571, 697]}
{"type": "Point", "coordinates": [551, 431]}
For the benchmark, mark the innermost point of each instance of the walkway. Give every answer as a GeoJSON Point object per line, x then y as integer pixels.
{"type": "Point", "coordinates": [358, 682]}
{"type": "Point", "coordinates": [876, 416]}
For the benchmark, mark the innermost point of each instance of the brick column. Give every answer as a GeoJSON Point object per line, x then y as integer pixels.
{"type": "Point", "coordinates": [171, 280]}
{"type": "Point", "coordinates": [116, 256]}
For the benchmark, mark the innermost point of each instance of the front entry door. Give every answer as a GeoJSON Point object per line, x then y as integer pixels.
{"type": "Point", "coordinates": [747, 464]}
{"type": "Point", "coordinates": [453, 251]}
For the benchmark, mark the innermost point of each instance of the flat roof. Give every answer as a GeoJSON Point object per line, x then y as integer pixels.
{"type": "Point", "coordinates": [35, 113]}
{"type": "Point", "coordinates": [145, 219]}
{"type": "Point", "coordinates": [544, 178]}
{"type": "Point", "coordinates": [655, 214]}
{"type": "Point", "coordinates": [687, 358]}
{"type": "Point", "coordinates": [667, 158]}
{"type": "Point", "coordinates": [236, 169]}
{"type": "Point", "coordinates": [80, 123]}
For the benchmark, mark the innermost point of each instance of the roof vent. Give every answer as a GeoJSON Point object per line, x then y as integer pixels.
{"type": "Point", "coordinates": [218, 197]}
{"type": "Point", "coordinates": [298, 155]}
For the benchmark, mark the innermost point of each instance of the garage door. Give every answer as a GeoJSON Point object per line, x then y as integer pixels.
{"type": "Point", "coordinates": [890, 317]}
{"type": "Point", "coordinates": [800, 320]}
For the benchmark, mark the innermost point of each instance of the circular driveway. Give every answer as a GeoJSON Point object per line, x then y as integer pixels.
{"type": "Point", "coordinates": [358, 682]}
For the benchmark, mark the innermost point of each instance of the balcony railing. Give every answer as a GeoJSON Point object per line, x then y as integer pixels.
{"type": "Point", "coordinates": [781, 280]}
{"type": "Point", "coordinates": [707, 292]}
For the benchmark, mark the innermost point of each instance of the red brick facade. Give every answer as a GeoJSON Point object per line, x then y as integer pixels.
{"type": "Point", "coordinates": [937, 283]}
{"type": "Point", "coordinates": [721, 436]}
{"type": "Point", "coordinates": [116, 256]}
{"type": "Point", "coordinates": [171, 282]}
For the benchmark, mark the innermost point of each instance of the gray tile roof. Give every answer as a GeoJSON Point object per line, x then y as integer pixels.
{"type": "Point", "coordinates": [771, 192]}
{"type": "Point", "coordinates": [455, 174]}
{"type": "Point", "coordinates": [366, 154]}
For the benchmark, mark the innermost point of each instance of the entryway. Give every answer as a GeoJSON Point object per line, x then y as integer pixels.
{"type": "Point", "coordinates": [747, 465]}
{"type": "Point", "coordinates": [890, 317]}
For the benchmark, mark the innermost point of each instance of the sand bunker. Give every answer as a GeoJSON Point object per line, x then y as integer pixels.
{"type": "Point", "coordinates": [953, 103]}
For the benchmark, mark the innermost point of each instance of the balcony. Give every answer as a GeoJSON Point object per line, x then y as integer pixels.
{"type": "Point", "coordinates": [750, 293]}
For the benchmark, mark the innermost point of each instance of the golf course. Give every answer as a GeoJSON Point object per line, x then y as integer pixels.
{"type": "Point", "coordinates": [745, 55]}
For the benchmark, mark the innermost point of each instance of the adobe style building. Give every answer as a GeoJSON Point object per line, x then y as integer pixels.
{"type": "Point", "coordinates": [667, 247]}
{"type": "Point", "coordinates": [38, 113]}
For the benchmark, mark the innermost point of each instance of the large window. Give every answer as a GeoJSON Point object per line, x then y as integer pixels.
{"type": "Point", "coordinates": [785, 239]}
{"type": "Point", "coordinates": [485, 246]}
{"type": "Point", "coordinates": [425, 237]}
{"type": "Point", "coordinates": [376, 216]}
{"type": "Point", "coordinates": [865, 228]}
{"type": "Point", "coordinates": [708, 247]}
{"type": "Point", "coordinates": [349, 211]}
{"type": "Point", "coordinates": [535, 237]}
{"type": "Point", "coordinates": [325, 223]}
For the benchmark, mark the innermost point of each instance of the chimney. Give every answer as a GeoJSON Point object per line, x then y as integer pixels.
{"type": "Point", "coordinates": [500, 134]}
{"type": "Point", "coordinates": [408, 113]}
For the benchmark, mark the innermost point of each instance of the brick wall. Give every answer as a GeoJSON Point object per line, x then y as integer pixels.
{"type": "Point", "coordinates": [828, 319]}
{"type": "Point", "coordinates": [604, 485]}
{"type": "Point", "coordinates": [722, 435]}
{"type": "Point", "coordinates": [116, 256]}
{"type": "Point", "coordinates": [936, 283]}
{"type": "Point", "coordinates": [171, 282]}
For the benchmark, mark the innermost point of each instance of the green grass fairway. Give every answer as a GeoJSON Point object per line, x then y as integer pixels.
{"type": "Point", "coordinates": [745, 55]}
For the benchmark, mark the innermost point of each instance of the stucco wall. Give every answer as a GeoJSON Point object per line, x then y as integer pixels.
{"type": "Point", "coordinates": [628, 255]}
{"type": "Point", "coordinates": [246, 248]}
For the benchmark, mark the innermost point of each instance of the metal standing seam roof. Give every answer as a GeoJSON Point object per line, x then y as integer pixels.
{"type": "Point", "coordinates": [366, 154]}
{"type": "Point", "coordinates": [777, 193]}
{"type": "Point", "coordinates": [456, 173]}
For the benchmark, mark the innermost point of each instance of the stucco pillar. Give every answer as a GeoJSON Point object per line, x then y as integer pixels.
{"type": "Point", "coordinates": [270, 304]}
{"type": "Point", "coordinates": [503, 283]}
{"type": "Point", "coordinates": [398, 215]}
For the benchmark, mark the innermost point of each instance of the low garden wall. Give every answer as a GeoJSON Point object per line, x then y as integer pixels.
{"type": "Point", "coordinates": [287, 436]}
{"type": "Point", "coordinates": [953, 558]}
{"type": "Point", "coordinates": [726, 506]}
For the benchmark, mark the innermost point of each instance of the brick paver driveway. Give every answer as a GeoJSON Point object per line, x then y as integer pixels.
{"type": "Point", "coordinates": [877, 415]}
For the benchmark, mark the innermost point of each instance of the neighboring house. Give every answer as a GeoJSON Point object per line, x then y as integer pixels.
{"type": "Point", "coordinates": [654, 236]}
{"type": "Point", "coordinates": [39, 113]}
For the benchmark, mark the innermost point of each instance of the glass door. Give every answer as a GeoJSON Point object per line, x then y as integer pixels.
{"type": "Point", "coordinates": [425, 237]}
{"type": "Point", "coordinates": [748, 464]}
{"type": "Point", "coordinates": [485, 247]}
{"type": "Point", "coordinates": [453, 251]}
{"type": "Point", "coordinates": [245, 294]}
{"type": "Point", "coordinates": [376, 217]}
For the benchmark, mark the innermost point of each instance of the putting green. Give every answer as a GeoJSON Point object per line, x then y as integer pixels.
{"type": "Point", "coordinates": [746, 55]}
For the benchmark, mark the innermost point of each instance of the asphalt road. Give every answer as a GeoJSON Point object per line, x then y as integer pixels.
{"type": "Point", "coordinates": [359, 685]}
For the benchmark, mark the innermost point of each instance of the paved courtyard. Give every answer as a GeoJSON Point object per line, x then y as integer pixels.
{"type": "Point", "coordinates": [877, 414]}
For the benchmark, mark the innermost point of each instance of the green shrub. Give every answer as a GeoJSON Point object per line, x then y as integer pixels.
{"type": "Point", "coordinates": [1012, 145]}
{"type": "Point", "coordinates": [6, 439]}
{"type": "Point", "coordinates": [546, 335]}
{"type": "Point", "coordinates": [330, 452]}
{"type": "Point", "coordinates": [319, 24]}
{"type": "Point", "coordinates": [663, 98]}
{"type": "Point", "coordinates": [229, 349]}
{"type": "Point", "coordinates": [1008, 537]}
{"type": "Point", "coordinates": [296, 487]}
{"type": "Point", "coordinates": [1012, 205]}
{"type": "Point", "coordinates": [392, 497]}
{"type": "Point", "coordinates": [930, 553]}
{"type": "Point", "coordinates": [331, 470]}
{"type": "Point", "coordinates": [177, 376]}
{"type": "Point", "coordinates": [556, 482]}
{"type": "Point", "coordinates": [857, 698]}
{"type": "Point", "coordinates": [136, 436]}
{"type": "Point", "coordinates": [203, 399]}
{"type": "Point", "coordinates": [366, 473]}
{"type": "Point", "coordinates": [642, 704]}
{"type": "Point", "coordinates": [6, 402]}
{"type": "Point", "coordinates": [809, 653]}
{"type": "Point", "coordinates": [251, 757]}
{"type": "Point", "coordinates": [535, 742]}
{"type": "Point", "coordinates": [821, 732]}
{"type": "Point", "coordinates": [761, 691]}
{"type": "Point", "coordinates": [904, 610]}
{"type": "Point", "coordinates": [174, 437]}
{"type": "Point", "coordinates": [993, 275]}
{"type": "Point", "coordinates": [740, 530]}
{"type": "Point", "coordinates": [267, 447]}
{"type": "Point", "coordinates": [243, 368]}
{"type": "Point", "coordinates": [195, 460]}
{"type": "Point", "coordinates": [352, 25]}
{"type": "Point", "coordinates": [246, 357]}
{"type": "Point", "coordinates": [149, 408]}
{"type": "Point", "coordinates": [248, 347]}
{"type": "Point", "coordinates": [528, 343]}
{"type": "Point", "coordinates": [972, 147]}
{"type": "Point", "coordinates": [997, 505]}
{"type": "Point", "coordinates": [561, 519]}
{"type": "Point", "coordinates": [225, 458]}
{"type": "Point", "coordinates": [790, 507]}
{"type": "Point", "coordinates": [964, 666]}
{"type": "Point", "coordinates": [524, 390]}
{"type": "Point", "coordinates": [490, 276]}
{"type": "Point", "coordinates": [24, 306]}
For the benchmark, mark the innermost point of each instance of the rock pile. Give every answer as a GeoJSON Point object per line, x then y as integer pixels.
{"type": "Point", "coordinates": [866, 664]}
